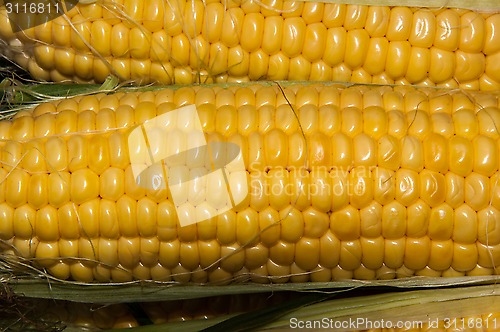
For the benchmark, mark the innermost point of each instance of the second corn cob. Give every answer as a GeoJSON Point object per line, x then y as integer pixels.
{"type": "Point", "coordinates": [182, 42]}
{"type": "Point", "coordinates": [94, 316]}
{"type": "Point", "coordinates": [358, 182]}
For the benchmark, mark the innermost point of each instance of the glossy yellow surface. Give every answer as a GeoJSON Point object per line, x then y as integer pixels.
{"type": "Point", "coordinates": [345, 182]}
{"type": "Point", "coordinates": [192, 41]}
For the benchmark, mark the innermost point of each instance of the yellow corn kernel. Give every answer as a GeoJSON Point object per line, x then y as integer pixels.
{"type": "Point", "coordinates": [252, 29]}
{"type": "Point", "coordinates": [417, 252]}
{"type": "Point", "coordinates": [488, 257]}
{"type": "Point", "coordinates": [485, 160]}
{"type": "Point", "coordinates": [412, 157]}
{"type": "Point", "coordinates": [377, 48]}
{"type": "Point", "coordinates": [315, 41]}
{"type": "Point", "coordinates": [443, 125]}
{"type": "Point", "coordinates": [465, 257]}
{"type": "Point", "coordinates": [471, 32]}
{"type": "Point", "coordinates": [356, 48]}
{"type": "Point", "coordinates": [423, 29]}
{"type": "Point", "coordinates": [128, 252]}
{"type": "Point", "coordinates": [46, 253]}
{"type": "Point", "coordinates": [436, 153]}
{"type": "Point", "coordinates": [398, 56]}
{"type": "Point", "coordinates": [442, 64]}
{"type": "Point", "coordinates": [399, 24]}
{"type": "Point", "coordinates": [350, 255]}
{"type": "Point", "coordinates": [393, 255]}
{"type": "Point", "coordinates": [441, 222]}
{"type": "Point", "coordinates": [360, 187]}
{"type": "Point", "coordinates": [488, 230]}
{"type": "Point", "coordinates": [234, 258]}
{"type": "Point", "coordinates": [270, 229]}
{"type": "Point", "coordinates": [345, 224]}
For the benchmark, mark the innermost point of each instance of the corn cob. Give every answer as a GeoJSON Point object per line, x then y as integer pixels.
{"type": "Point", "coordinates": [358, 182]}
{"type": "Point", "coordinates": [27, 314]}
{"type": "Point", "coordinates": [56, 313]}
{"type": "Point", "coordinates": [121, 315]}
{"type": "Point", "coordinates": [192, 41]}
{"type": "Point", "coordinates": [159, 312]}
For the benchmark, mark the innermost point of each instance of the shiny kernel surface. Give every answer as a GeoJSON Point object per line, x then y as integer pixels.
{"type": "Point", "coordinates": [351, 181]}
{"type": "Point", "coordinates": [196, 42]}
